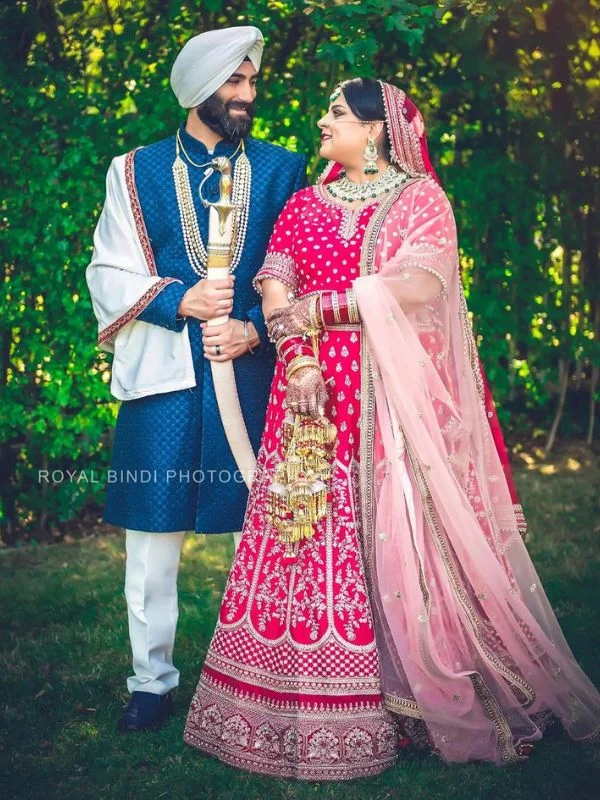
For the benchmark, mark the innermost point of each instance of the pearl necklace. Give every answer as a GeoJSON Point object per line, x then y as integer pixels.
{"type": "Point", "coordinates": [240, 196]}
{"type": "Point", "coordinates": [348, 191]}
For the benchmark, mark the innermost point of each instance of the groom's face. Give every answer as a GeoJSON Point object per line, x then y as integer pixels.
{"type": "Point", "coordinates": [230, 110]}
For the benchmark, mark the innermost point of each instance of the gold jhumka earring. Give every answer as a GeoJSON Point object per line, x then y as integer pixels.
{"type": "Point", "coordinates": [370, 156]}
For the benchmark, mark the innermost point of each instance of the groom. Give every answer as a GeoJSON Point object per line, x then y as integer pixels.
{"type": "Point", "coordinates": [172, 468]}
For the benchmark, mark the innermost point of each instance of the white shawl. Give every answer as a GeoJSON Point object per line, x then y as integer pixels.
{"type": "Point", "coordinates": [122, 279]}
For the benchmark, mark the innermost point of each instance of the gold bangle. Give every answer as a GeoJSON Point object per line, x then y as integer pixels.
{"type": "Point", "coordinates": [336, 308]}
{"type": "Point", "coordinates": [314, 320]}
{"type": "Point", "coordinates": [353, 314]}
{"type": "Point", "coordinates": [301, 366]}
{"type": "Point", "coordinates": [311, 311]}
{"type": "Point", "coordinates": [320, 319]}
{"type": "Point", "coordinates": [300, 362]}
{"type": "Point", "coordinates": [302, 358]}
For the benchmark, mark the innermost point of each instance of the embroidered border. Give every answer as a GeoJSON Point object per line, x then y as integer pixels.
{"type": "Point", "coordinates": [591, 737]}
{"type": "Point", "coordinates": [415, 263]}
{"type": "Point", "coordinates": [144, 239]}
{"type": "Point", "coordinates": [226, 671]}
{"type": "Point", "coordinates": [367, 413]}
{"type": "Point", "coordinates": [136, 208]}
{"type": "Point", "coordinates": [492, 708]}
{"type": "Point", "coordinates": [321, 745]}
{"type": "Point", "coordinates": [348, 225]}
{"type": "Point", "coordinates": [488, 700]}
{"type": "Point", "coordinates": [399, 706]}
{"type": "Point", "coordinates": [136, 308]}
{"type": "Point", "coordinates": [520, 518]}
{"type": "Point", "coordinates": [280, 266]}
{"type": "Point", "coordinates": [430, 514]}
{"type": "Point", "coordinates": [469, 345]}
{"type": "Point", "coordinates": [406, 147]}
{"type": "Point", "coordinates": [301, 695]}
{"type": "Point", "coordinates": [402, 706]}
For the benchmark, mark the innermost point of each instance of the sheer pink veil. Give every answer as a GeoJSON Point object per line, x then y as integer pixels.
{"type": "Point", "coordinates": [468, 642]}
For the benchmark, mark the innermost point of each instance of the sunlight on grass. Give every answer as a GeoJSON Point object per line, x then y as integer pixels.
{"type": "Point", "coordinates": [576, 459]}
{"type": "Point", "coordinates": [213, 552]}
{"type": "Point", "coordinates": [86, 729]}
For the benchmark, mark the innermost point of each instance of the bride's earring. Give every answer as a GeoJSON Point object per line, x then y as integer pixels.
{"type": "Point", "coordinates": [370, 156]}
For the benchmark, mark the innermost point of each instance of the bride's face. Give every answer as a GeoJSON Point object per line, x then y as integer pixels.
{"type": "Point", "coordinates": [343, 135]}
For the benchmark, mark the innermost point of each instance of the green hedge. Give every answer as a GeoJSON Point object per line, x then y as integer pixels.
{"type": "Point", "coordinates": [508, 90]}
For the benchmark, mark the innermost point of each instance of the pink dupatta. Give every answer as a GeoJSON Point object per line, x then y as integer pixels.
{"type": "Point", "coordinates": [468, 642]}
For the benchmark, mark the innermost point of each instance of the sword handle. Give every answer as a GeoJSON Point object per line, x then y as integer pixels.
{"type": "Point", "coordinates": [220, 224]}
{"type": "Point", "coordinates": [217, 273]}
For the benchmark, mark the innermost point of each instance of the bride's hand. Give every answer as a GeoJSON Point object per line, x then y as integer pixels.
{"type": "Point", "coordinates": [292, 320]}
{"type": "Point", "coordinates": [306, 392]}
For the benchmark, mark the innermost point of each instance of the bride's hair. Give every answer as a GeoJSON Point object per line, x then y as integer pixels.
{"type": "Point", "coordinates": [365, 99]}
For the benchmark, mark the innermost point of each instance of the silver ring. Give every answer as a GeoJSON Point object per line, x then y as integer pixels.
{"type": "Point", "coordinates": [218, 349]}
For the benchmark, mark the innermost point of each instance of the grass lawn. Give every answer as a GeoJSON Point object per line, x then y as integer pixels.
{"type": "Point", "coordinates": [64, 659]}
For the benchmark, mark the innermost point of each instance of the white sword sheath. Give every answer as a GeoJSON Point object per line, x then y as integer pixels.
{"type": "Point", "coordinates": [220, 239]}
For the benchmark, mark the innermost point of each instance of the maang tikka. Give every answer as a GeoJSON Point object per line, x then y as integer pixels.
{"type": "Point", "coordinates": [370, 156]}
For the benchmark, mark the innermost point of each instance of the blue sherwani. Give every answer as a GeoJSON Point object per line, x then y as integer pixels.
{"type": "Point", "coordinates": [172, 467]}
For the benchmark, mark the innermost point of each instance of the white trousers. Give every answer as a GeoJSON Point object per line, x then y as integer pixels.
{"type": "Point", "coordinates": [152, 606]}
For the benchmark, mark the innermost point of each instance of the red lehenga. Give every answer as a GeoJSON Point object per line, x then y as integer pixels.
{"type": "Point", "coordinates": [415, 606]}
{"type": "Point", "coordinates": [290, 685]}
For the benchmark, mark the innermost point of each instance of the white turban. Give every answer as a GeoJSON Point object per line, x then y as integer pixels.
{"type": "Point", "coordinates": [206, 61]}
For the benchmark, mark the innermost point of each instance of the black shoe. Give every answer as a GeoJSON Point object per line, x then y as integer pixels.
{"type": "Point", "coordinates": [146, 711]}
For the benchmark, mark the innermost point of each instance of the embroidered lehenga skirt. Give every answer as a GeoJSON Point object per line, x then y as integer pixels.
{"type": "Point", "coordinates": [290, 686]}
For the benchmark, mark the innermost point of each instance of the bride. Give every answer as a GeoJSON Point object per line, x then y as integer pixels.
{"type": "Point", "coordinates": [409, 608]}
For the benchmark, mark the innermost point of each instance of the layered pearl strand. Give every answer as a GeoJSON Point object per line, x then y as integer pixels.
{"type": "Point", "coordinates": [240, 197]}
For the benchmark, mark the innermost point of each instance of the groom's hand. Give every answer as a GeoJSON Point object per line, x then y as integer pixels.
{"type": "Point", "coordinates": [229, 338]}
{"type": "Point", "coordinates": [208, 299]}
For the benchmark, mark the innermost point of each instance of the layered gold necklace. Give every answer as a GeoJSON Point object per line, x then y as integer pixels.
{"type": "Point", "coordinates": [240, 197]}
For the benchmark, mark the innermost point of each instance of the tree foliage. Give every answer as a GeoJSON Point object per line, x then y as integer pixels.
{"type": "Point", "coordinates": [509, 90]}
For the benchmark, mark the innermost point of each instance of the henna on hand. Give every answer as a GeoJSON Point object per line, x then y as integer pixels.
{"type": "Point", "coordinates": [306, 392]}
{"type": "Point", "coordinates": [292, 320]}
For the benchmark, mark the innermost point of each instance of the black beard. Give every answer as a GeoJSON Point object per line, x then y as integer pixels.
{"type": "Point", "coordinates": [214, 113]}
